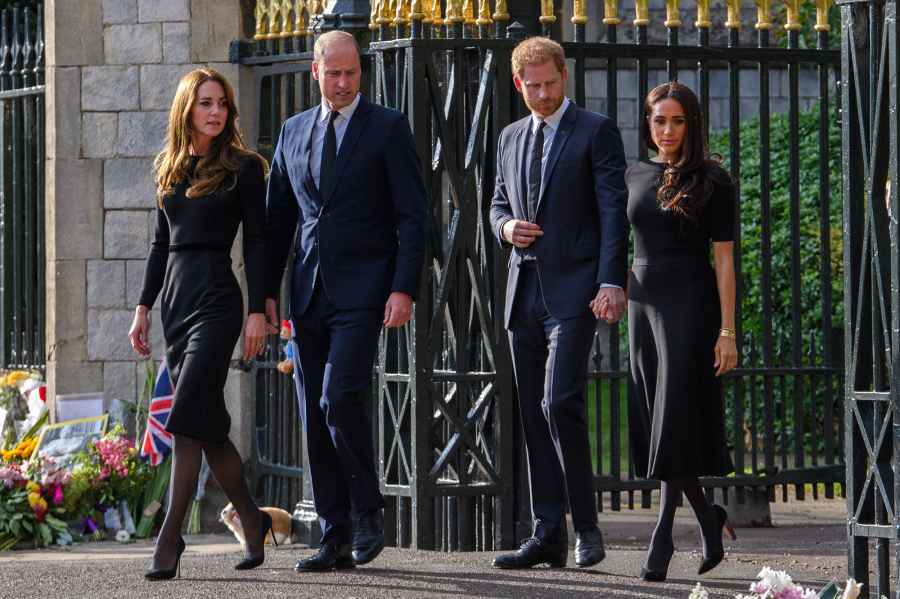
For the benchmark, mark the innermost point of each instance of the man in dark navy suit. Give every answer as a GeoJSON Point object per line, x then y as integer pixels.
{"type": "Point", "coordinates": [560, 201]}
{"type": "Point", "coordinates": [346, 177]}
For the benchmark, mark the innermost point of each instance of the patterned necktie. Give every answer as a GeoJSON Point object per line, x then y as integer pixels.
{"type": "Point", "coordinates": [329, 157]}
{"type": "Point", "coordinates": [534, 172]}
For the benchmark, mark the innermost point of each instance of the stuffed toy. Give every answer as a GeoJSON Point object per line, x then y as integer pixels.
{"type": "Point", "coordinates": [286, 366]}
{"type": "Point", "coordinates": [281, 524]}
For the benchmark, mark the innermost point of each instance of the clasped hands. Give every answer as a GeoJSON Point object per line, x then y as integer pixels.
{"type": "Point", "coordinates": [608, 304]}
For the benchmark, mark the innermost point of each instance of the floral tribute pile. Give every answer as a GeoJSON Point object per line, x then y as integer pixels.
{"type": "Point", "coordinates": [42, 503]}
{"type": "Point", "coordinates": [777, 584]}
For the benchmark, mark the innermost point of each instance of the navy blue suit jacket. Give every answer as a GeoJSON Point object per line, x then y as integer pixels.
{"type": "Point", "coordinates": [581, 209]}
{"type": "Point", "coordinates": [367, 239]}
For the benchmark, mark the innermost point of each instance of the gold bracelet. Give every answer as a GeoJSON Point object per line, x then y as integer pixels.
{"type": "Point", "coordinates": [730, 333]}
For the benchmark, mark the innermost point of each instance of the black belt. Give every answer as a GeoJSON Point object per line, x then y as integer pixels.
{"type": "Point", "coordinates": [199, 247]}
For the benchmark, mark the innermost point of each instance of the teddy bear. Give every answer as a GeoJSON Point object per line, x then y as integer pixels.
{"type": "Point", "coordinates": [286, 366]}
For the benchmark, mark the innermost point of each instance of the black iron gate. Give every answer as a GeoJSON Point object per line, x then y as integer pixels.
{"type": "Point", "coordinates": [22, 257]}
{"type": "Point", "coordinates": [448, 432]}
{"type": "Point", "coordinates": [870, 71]}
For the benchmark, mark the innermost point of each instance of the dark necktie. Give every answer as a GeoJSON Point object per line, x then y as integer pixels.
{"type": "Point", "coordinates": [534, 171]}
{"type": "Point", "coordinates": [329, 157]}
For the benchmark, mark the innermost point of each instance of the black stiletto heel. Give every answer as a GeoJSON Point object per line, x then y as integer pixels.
{"type": "Point", "coordinates": [658, 574]}
{"type": "Point", "coordinates": [249, 563]}
{"type": "Point", "coordinates": [717, 554]}
{"type": "Point", "coordinates": [169, 573]}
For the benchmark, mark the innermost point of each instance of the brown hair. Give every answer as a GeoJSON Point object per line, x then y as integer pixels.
{"type": "Point", "coordinates": [687, 183]}
{"type": "Point", "coordinates": [172, 165]}
{"type": "Point", "coordinates": [535, 51]}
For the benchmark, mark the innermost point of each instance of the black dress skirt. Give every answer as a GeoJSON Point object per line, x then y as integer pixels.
{"type": "Point", "coordinates": [202, 308]}
{"type": "Point", "coordinates": [676, 416]}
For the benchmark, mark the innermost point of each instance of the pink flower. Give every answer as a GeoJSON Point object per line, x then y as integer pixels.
{"type": "Point", "coordinates": [58, 495]}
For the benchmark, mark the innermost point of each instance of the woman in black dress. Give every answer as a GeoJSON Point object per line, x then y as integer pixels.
{"type": "Point", "coordinates": [680, 318]}
{"type": "Point", "coordinates": [208, 183]}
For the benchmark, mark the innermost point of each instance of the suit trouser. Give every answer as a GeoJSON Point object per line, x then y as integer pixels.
{"type": "Point", "coordinates": [336, 351]}
{"type": "Point", "coordinates": [550, 362]}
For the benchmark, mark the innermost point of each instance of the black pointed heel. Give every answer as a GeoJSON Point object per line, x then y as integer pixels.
{"type": "Point", "coordinates": [658, 573]}
{"type": "Point", "coordinates": [168, 573]}
{"type": "Point", "coordinates": [717, 553]}
{"type": "Point", "coordinates": [248, 563]}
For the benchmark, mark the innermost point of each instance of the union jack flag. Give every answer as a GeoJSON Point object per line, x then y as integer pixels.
{"type": "Point", "coordinates": [157, 440]}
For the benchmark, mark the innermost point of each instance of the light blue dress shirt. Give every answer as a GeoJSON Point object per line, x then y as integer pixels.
{"type": "Point", "coordinates": [318, 135]}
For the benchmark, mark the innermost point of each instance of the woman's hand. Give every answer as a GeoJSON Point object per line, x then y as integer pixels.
{"type": "Point", "coordinates": [139, 333]}
{"type": "Point", "coordinates": [726, 355]}
{"type": "Point", "coordinates": [255, 335]}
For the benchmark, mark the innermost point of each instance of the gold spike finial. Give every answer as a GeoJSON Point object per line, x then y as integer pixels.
{"type": "Point", "coordinates": [611, 12]}
{"type": "Point", "coordinates": [673, 14]}
{"type": "Point", "coordinates": [274, 19]}
{"type": "Point", "coordinates": [734, 14]}
{"type": "Point", "coordinates": [501, 12]}
{"type": "Point", "coordinates": [793, 15]}
{"type": "Point", "coordinates": [287, 8]}
{"type": "Point", "coordinates": [547, 14]}
{"type": "Point", "coordinates": [301, 18]}
{"type": "Point", "coordinates": [401, 16]}
{"type": "Point", "coordinates": [703, 19]}
{"type": "Point", "coordinates": [763, 14]}
{"type": "Point", "coordinates": [261, 15]}
{"type": "Point", "coordinates": [384, 13]}
{"type": "Point", "coordinates": [469, 12]}
{"type": "Point", "coordinates": [484, 14]}
{"type": "Point", "coordinates": [579, 12]}
{"type": "Point", "coordinates": [641, 13]}
{"type": "Point", "coordinates": [454, 12]}
{"type": "Point", "coordinates": [823, 7]}
{"type": "Point", "coordinates": [373, 16]}
{"type": "Point", "coordinates": [436, 17]}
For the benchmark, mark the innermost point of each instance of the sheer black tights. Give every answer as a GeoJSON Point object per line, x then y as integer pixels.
{"type": "Point", "coordinates": [225, 463]}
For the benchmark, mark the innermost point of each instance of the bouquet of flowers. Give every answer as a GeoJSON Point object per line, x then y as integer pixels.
{"type": "Point", "coordinates": [31, 503]}
{"type": "Point", "coordinates": [108, 473]}
{"type": "Point", "coordinates": [13, 406]}
{"type": "Point", "coordinates": [776, 584]}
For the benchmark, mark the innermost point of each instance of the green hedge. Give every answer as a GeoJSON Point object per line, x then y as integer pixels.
{"type": "Point", "coordinates": [811, 258]}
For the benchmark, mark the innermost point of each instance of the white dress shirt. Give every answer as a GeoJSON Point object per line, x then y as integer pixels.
{"type": "Point", "coordinates": [551, 124]}
{"type": "Point", "coordinates": [317, 140]}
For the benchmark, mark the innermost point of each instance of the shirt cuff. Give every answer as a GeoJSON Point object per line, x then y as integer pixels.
{"type": "Point", "coordinates": [602, 285]}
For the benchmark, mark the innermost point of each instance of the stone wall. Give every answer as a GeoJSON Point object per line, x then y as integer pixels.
{"type": "Point", "coordinates": [112, 70]}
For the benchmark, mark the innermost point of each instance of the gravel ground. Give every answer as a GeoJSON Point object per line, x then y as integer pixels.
{"type": "Point", "coordinates": [808, 541]}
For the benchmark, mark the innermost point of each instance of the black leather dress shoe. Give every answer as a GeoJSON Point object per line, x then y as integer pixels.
{"type": "Point", "coordinates": [534, 551]}
{"type": "Point", "coordinates": [368, 537]}
{"type": "Point", "coordinates": [331, 556]}
{"type": "Point", "coordinates": [589, 549]}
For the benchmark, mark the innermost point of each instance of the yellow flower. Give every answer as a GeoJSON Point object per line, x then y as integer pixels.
{"type": "Point", "coordinates": [15, 377]}
{"type": "Point", "coordinates": [33, 488]}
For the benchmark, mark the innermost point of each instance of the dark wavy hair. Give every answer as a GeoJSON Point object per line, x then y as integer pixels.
{"type": "Point", "coordinates": [687, 183]}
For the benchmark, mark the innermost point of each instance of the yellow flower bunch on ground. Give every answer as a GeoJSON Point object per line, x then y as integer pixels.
{"type": "Point", "coordinates": [14, 377]}
{"type": "Point", "coordinates": [20, 452]}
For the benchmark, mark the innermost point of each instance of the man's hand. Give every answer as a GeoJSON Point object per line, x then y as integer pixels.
{"type": "Point", "coordinates": [609, 304]}
{"type": "Point", "coordinates": [520, 233]}
{"type": "Point", "coordinates": [397, 310]}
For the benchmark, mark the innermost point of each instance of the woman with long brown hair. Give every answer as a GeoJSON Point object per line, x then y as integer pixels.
{"type": "Point", "coordinates": [681, 327]}
{"type": "Point", "coordinates": [207, 184]}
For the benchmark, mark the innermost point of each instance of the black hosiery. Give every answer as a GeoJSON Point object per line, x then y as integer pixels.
{"type": "Point", "coordinates": [186, 459]}
{"type": "Point", "coordinates": [226, 465]}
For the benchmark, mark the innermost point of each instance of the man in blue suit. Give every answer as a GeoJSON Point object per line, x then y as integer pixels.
{"type": "Point", "coordinates": [346, 177]}
{"type": "Point", "coordinates": [560, 201]}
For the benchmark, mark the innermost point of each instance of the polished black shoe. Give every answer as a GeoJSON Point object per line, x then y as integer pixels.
{"type": "Point", "coordinates": [368, 537]}
{"type": "Point", "coordinates": [656, 568]}
{"type": "Point", "coordinates": [533, 552]}
{"type": "Point", "coordinates": [713, 550]}
{"type": "Point", "coordinates": [331, 556]}
{"type": "Point", "coordinates": [589, 549]}
{"type": "Point", "coordinates": [169, 573]}
{"type": "Point", "coordinates": [248, 563]}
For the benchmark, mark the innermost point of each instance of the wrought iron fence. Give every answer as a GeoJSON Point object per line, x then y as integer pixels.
{"type": "Point", "coordinates": [451, 456]}
{"type": "Point", "coordinates": [869, 67]}
{"type": "Point", "coordinates": [22, 259]}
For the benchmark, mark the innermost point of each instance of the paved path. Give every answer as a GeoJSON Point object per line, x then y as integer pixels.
{"type": "Point", "coordinates": [808, 541]}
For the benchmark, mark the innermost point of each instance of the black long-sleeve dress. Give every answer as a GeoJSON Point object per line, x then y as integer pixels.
{"type": "Point", "coordinates": [202, 307]}
{"type": "Point", "coordinates": [676, 418]}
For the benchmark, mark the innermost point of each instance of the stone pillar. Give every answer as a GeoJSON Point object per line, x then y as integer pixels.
{"type": "Point", "coordinates": [112, 70]}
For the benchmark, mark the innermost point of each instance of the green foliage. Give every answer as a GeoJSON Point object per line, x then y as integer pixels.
{"type": "Point", "coordinates": [811, 255]}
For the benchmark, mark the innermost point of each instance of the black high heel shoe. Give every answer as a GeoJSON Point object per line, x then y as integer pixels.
{"type": "Point", "coordinates": [716, 552]}
{"type": "Point", "coordinates": [248, 563]}
{"type": "Point", "coordinates": [656, 567]}
{"type": "Point", "coordinates": [169, 573]}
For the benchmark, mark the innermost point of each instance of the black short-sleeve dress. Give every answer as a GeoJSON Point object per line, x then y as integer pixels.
{"type": "Point", "coordinates": [202, 308]}
{"type": "Point", "coordinates": [676, 416]}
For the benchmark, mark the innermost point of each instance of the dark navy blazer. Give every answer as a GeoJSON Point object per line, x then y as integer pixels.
{"type": "Point", "coordinates": [367, 239]}
{"type": "Point", "coordinates": [581, 209]}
